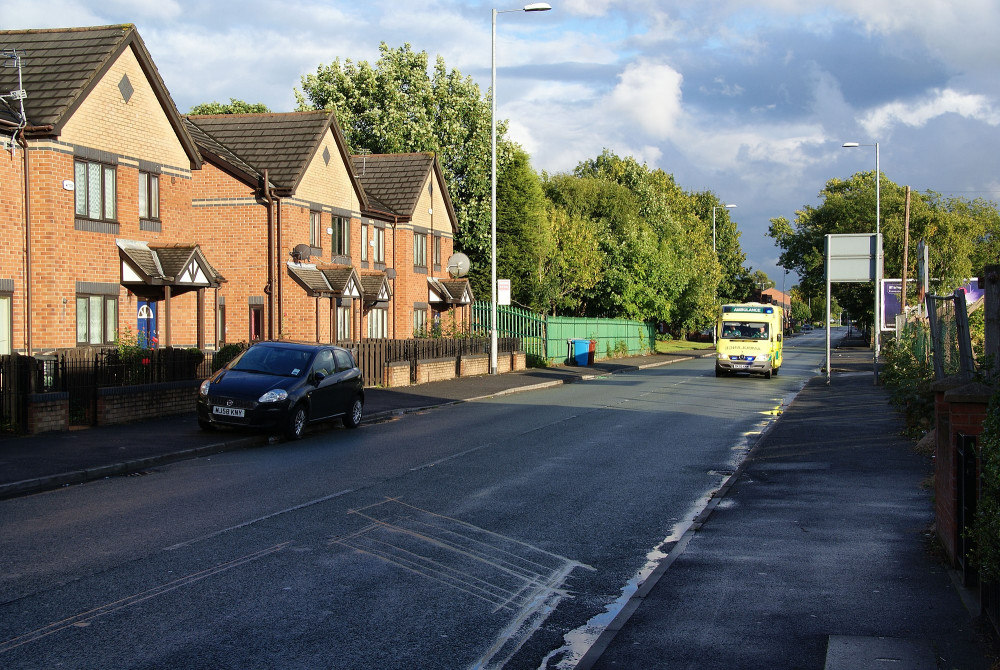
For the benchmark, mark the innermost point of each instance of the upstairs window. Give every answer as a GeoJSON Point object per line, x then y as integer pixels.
{"type": "Point", "coordinates": [437, 252]}
{"type": "Point", "coordinates": [149, 196]}
{"type": "Point", "coordinates": [378, 249]}
{"type": "Point", "coordinates": [364, 244]}
{"type": "Point", "coordinates": [96, 190]}
{"type": "Point", "coordinates": [316, 229]}
{"type": "Point", "coordinates": [419, 250]}
{"type": "Point", "coordinates": [340, 240]}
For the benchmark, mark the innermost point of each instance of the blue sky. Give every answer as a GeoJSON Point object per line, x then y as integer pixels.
{"type": "Point", "coordinates": [749, 100]}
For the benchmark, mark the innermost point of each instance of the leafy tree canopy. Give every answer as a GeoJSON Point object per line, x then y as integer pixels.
{"type": "Point", "coordinates": [398, 106]}
{"type": "Point", "coordinates": [234, 106]}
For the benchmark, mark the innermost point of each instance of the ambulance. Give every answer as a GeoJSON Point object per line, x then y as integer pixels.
{"type": "Point", "coordinates": [748, 339]}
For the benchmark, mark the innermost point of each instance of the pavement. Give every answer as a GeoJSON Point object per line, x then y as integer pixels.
{"type": "Point", "coordinates": [818, 552]}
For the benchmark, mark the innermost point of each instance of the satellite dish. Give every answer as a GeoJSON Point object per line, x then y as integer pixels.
{"type": "Point", "coordinates": [458, 265]}
{"type": "Point", "coordinates": [301, 252]}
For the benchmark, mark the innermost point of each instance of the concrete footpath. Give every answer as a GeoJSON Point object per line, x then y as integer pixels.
{"type": "Point", "coordinates": [817, 553]}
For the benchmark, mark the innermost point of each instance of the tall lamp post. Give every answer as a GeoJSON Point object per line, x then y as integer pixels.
{"type": "Point", "coordinates": [533, 7]}
{"type": "Point", "coordinates": [878, 246]}
{"type": "Point", "coordinates": [716, 296]}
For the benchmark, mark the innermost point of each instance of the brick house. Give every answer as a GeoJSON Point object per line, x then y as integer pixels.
{"type": "Point", "coordinates": [408, 193]}
{"type": "Point", "coordinates": [277, 199]}
{"type": "Point", "coordinates": [95, 196]}
{"type": "Point", "coordinates": [118, 213]}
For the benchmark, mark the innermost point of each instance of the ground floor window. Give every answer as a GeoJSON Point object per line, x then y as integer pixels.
{"type": "Point", "coordinates": [96, 319]}
{"type": "Point", "coordinates": [6, 329]}
{"type": "Point", "coordinates": [220, 324]}
{"type": "Point", "coordinates": [378, 323]}
{"type": "Point", "coordinates": [343, 323]}
{"type": "Point", "coordinates": [419, 322]}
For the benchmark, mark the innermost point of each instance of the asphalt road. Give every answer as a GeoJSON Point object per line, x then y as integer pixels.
{"type": "Point", "coordinates": [496, 533]}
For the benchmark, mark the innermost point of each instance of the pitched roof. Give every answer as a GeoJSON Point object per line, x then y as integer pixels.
{"type": "Point", "coordinates": [282, 143]}
{"type": "Point", "coordinates": [394, 182]}
{"type": "Point", "coordinates": [60, 67]}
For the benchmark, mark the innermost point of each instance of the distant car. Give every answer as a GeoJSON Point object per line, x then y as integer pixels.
{"type": "Point", "coordinates": [806, 328]}
{"type": "Point", "coordinates": [283, 386]}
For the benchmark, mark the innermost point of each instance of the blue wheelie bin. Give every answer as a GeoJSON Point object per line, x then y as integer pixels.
{"type": "Point", "coordinates": [579, 351]}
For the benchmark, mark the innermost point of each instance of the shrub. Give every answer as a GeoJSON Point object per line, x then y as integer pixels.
{"type": "Point", "coordinates": [225, 354]}
{"type": "Point", "coordinates": [985, 529]}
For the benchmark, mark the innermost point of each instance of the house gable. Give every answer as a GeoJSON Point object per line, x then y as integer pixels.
{"type": "Point", "coordinates": [327, 177]}
{"type": "Point", "coordinates": [135, 125]}
{"type": "Point", "coordinates": [65, 70]}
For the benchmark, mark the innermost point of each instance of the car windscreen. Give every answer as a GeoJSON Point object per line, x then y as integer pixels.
{"type": "Point", "coordinates": [273, 361]}
{"type": "Point", "coordinates": [745, 330]}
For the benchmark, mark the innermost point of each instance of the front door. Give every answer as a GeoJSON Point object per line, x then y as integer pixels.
{"type": "Point", "coordinates": [146, 333]}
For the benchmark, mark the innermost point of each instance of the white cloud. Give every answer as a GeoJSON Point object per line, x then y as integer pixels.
{"type": "Point", "coordinates": [940, 102]}
{"type": "Point", "coordinates": [649, 94]}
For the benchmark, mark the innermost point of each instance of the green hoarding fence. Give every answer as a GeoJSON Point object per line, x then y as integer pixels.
{"type": "Point", "coordinates": [548, 336]}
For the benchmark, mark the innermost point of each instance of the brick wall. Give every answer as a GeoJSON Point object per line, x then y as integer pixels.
{"type": "Point", "coordinates": [397, 374]}
{"type": "Point", "coordinates": [47, 411]}
{"type": "Point", "coordinates": [474, 364]}
{"type": "Point", "coordinates": [435, 370]}
{"type": "Point", "coordinates": [960, 409]}
{"type": "Point", "coordinates": [137, 403]}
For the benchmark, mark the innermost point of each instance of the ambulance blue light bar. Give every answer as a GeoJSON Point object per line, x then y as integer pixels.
{"type": "Point", "coordinates": [746, 309]}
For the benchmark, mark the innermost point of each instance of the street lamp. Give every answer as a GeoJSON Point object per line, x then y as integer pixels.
{"type": "Point", "coordinates": [716, 296]}
{"type": "Point", "coordinates": [878, 261]}
{"type": "Point", "coordinates": [532, 7]}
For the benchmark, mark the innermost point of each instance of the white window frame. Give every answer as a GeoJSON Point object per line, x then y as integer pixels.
{"type": "Point", "coordinates": [378, 323]}
{"type": "Point", "coordinates": [95, 186]}
{"type": "Point", "coordinates": [149, 196]}
{"type": "Point", "coordinates": [420, 250]}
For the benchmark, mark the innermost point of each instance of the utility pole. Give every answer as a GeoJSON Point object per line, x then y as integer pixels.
{"type": "Point", "coordinates": [906, 249]}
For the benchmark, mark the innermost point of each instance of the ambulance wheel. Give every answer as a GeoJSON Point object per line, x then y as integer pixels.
{"type": "Point", "coordinates": [767, 375]}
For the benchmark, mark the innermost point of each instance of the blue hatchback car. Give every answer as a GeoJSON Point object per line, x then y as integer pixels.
{"type": "Point", "coordinates": [283, 386]}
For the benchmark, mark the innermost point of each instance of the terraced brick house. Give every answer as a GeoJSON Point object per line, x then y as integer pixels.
{"type": "Point", "coordinates": [95, 196]}
{"type": "Point", "coordinates": [408, 194]}
{"type": "Point", "coordinates": [119, 214]}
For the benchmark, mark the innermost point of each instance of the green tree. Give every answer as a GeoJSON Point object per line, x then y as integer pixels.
{"type": "Point", "coordinates": [523, 223]}
{"type": "Point", "coordinates": [569, 264]}
{"type": "Point", "coordinates": [960, 235]}
{"type": "Point", "coordinates": [234, 106]}
{"type": "Point", "coordinates": [395, 106]}
{"type": "Point", "coordinates": [735, 284]}
{"type": "Point", "coordinates": [760, 280]}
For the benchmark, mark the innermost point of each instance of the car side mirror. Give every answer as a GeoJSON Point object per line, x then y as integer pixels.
{"type": "Point", "coordinates": [779, 337]}
{"type": "Point", "coordinates": [319, 376]}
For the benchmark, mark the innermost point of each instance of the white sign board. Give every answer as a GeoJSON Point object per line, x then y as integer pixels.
{"type": "Point", "coordinates": [503, 291]}
{"type": "Point", "coordinates": [852, 258]}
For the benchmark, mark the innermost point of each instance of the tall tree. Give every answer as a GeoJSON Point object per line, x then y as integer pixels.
{"type": "Point", "coordinates": [734, 284]}
{"type": "Point", "coordinates": [522, 231]}
{"type": "Point", "coordinates": [957, 231]}
{"type": "Point", "coordinates": [396, 106]}
{"type": "Point", "coordinates": [234, 106]}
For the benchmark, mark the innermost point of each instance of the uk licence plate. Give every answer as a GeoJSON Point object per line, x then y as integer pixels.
{"type": "Point", "coordinates": [736, 366]}
{"type": "Point", "coordinates": [228, 411]}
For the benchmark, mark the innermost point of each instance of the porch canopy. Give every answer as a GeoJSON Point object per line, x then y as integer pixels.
{"type": "Point", "coordinates": [449, 291]}
{"type": "Point", "coordinates": [377, 290]}
{"type": "Point", "coordinates": [157, 271]}
{"type": "Point", "coordinates": [154, 270]}
{"type": "Point", "coordinates": [327, 281]}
